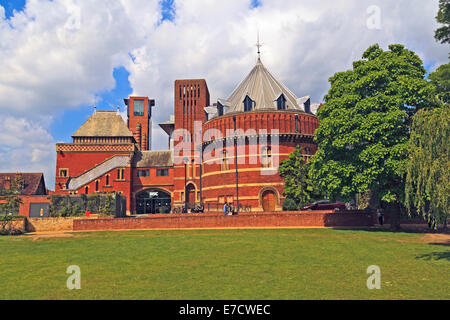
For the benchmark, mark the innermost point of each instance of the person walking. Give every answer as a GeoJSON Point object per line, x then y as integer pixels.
{"type": "Point", "coordinates": [225, 209]}
{"type": "Point", "coordinates": [230, 209]}
{"type": "Point", "coordinates": [380, 216]}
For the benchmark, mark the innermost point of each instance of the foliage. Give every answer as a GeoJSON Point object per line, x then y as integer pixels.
{"type": "Point", "coordinates": [6, 225]}
{"type": "Point", "coordinates": [443, 17]}
{"type": "Point", "coordinates": [364, 124]}
{"type": "Point", "coordinates": [290, 205]}
{"type": "Point", "coordinates": [427, 187]}
{"type": "Point", "coordinates": [76, 206]}
{"type": "Point", "coordinates": [10, 200]}
{"type": "Point", "coordinates": [297, 186]}
{"type": "Point", "coordinates": [441, 79]}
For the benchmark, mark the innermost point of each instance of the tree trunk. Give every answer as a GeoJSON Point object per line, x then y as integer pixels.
{"type": "Point", "coordinates": [394, 215]}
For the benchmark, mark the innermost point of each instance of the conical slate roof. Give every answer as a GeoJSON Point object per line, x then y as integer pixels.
{"type": "Point", "coordinates": [264, 89]}
{"type": "Point", "coordinates": [103, 124]}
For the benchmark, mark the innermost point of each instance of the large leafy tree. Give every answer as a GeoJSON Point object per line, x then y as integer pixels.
{"type": "Point", "coordinates": [443, 33]}
{"type": "Point", "coordinates": [364, 125]}
{"type": "Point", "coordinates": [441, 79]}
{"type": "Point", "coordinates": [427, 187]}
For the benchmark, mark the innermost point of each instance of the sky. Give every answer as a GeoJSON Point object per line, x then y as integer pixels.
{"type": "Point", "coordinates": [60, 58]}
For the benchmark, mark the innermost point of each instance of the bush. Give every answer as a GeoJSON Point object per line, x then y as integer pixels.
{"type": "Point", "coordinates": [290, 205]}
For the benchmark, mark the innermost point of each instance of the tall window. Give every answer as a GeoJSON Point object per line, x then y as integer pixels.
{"type": "Point", "coordinates": [139, 107]}
{"type": "Point", "coordinates": [281, 102]}
{"type": "Point", "coordinates": [248, 103]}
{"type": "Point", "coordinates": [107, 180]}
{"type": "Point", "coordinates": [224, 165]}
{"type": "Point", "coordinates": [96, 185]}
{"type": "Point", "coordinates": [219, 109]}
{"type": "Point", "coordinates": [120, 174]}
{"type": "Point", "coordinates": [266, 160]}
{"type": "Point", "coordinates": [86, 190]}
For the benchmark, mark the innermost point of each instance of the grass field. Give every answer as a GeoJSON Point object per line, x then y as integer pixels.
{"type": "Point", "coordinates": [226, 264]}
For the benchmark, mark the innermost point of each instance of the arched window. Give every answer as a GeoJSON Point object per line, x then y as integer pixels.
{"type": "Point", "coordinates": [248, 103]}
{"type": "Point", "coordinates": [86, 190]}
{"type": "Point", "coordinates": [107, 180]}
{"type": "Point", "coordinates": [281, 102]}
{"type": "Point", "coordinates": [96, 185]}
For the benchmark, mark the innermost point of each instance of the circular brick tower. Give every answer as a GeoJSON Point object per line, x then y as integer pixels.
{"type": "Point", "coordinates": [247, 136]}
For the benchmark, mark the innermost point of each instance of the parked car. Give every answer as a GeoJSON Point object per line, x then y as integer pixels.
{"type": "Point", "coordinates": [325, 205]}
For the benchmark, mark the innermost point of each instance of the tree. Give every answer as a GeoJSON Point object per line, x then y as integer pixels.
{"type": "Point", "coordinates": [427, 187]}
{"type": "Point", "coordinates": [443, 33]}
{"type": "Point", "coordinates": [364, 126]}
{"type": "Point", "coordinates": [10, 197]}
{"type": "Point", "coordinates": [297, 189]}
{"type": "Point", "coordinates": [441, 79]}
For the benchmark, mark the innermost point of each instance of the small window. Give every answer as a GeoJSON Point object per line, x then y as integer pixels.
{"type": "Point", "coordinates": [86, 190]}
{"type": "Point", "coordinates": [162, 172]}
{"type": "Point", "coordinates": [248, 103]}
{"type": "Point", "coordinates": [120, 174]}
{"type": "Point", "coordinates": [281, 102]}
{"type": "Point", "coordinates": [138, 107]}
{"type": "Point", "coordinates": [63, 173]}
{"type": "Point", "coordinates": [96, 185]}
{"type": "Point", "coordinates": [107, 180]}
{"type": "Point", "coordinates": [219, 109]}
{"type": "Point", "coordinates": [143, 173]}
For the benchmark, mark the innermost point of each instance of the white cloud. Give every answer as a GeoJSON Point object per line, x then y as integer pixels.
{"type": "Point", "coordinates": [26, 146]}
{"type": "Point", "coordinates": [56, 55]}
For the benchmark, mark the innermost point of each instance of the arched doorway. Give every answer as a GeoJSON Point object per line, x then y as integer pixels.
{"type": "Point", "coordinates": [268, 200]}
{"type": "Point", "coordinates": [153, 201]}
{"type": "Point", "coordinates": [190, 191]}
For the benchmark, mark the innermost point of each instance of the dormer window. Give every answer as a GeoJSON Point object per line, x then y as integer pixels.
{"type": "Point", "coordinates": [248, 103]}
{"type": "Point", "coordinates": [219, 109]}
{"type": "Point", "coordinates": [281, 102]}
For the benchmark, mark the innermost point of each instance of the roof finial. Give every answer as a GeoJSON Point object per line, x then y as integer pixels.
{"type": "Point", "coordinates": [95, 105]}
{"type": "Point", "coordinates": [259, 45]}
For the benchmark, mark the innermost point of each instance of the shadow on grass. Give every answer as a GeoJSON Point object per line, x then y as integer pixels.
{"type": "Point", "coordinates": [435, 255]}
{"type": "Point", "coordinates": [386, 229]}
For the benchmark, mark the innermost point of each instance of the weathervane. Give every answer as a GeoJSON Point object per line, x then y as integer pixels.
{"type": "Point", "coordinates": [259, 45]}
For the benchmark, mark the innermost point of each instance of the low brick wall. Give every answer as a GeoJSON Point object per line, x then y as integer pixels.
{"type": "Point", "coordinates": [243, 220]}
{"type": "Point", "coordinates": [50, 224]}
{"type": "Point", "coordinates": [18, 224]}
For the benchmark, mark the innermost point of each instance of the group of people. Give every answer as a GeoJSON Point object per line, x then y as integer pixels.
{"type": "Point", "coordinates": [228, 209]}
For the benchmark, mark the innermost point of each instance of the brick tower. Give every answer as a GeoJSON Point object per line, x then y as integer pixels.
{"type": "Point", "coordinates": [139, 112]}
{"type": "Point", "coordinates": [191, 97]}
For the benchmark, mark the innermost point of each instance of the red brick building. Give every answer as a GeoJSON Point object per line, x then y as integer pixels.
{"type": "Point", "coordinates": [225, 152]}
{"type": "Point", "coordinates": [33, 192]}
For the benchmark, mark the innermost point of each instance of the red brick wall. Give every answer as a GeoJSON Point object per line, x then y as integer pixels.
{"type": "Point", "coordinates": [244, 220]}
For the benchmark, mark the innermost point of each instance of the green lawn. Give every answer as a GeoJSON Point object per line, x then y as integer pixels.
{"type": "Point", "coordinates": [225, 264]}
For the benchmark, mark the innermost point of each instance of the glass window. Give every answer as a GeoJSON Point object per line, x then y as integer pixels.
{"type": "Point", "coordinates": [281, 102]}
{"type": "Point", "coordinates": [248, 103]}
{"type": "Point", "coordinates": [143, 173]}
{"type": "Point", "coordinates": [162, 172]}
{"type": "Point", "coordinates": [138, 107]}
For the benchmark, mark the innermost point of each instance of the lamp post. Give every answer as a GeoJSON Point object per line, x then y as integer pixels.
{"type": "Point", "coordinates": [185, 184]}
{"type": "Point", "coordinates": [236, 163]}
